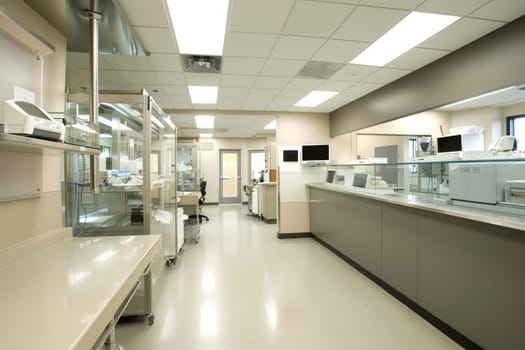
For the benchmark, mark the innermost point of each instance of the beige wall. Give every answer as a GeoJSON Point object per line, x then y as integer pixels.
{"type": "Point", "coordinates": [517, 109]}
{"type": "Point", "coordinates": [26, 219]}
{"type": "Point", "coordinates": [296, 129]}
{"type": "Point", "coordinates": [489, 118]}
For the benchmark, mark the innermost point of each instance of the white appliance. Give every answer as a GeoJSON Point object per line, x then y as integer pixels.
{"type": "Point", "coordinates": [180, 228]}
{"type": "Point", "coordinates": [483, 182]}
{"type": "Point", "coordinates": [26, 118]}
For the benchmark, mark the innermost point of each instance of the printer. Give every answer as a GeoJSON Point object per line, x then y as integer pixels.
{"type": "Point", "coordinates": [26, 118]}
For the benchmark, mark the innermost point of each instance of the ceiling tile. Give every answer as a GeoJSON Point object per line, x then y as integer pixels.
{"type": "Point", "coordinates": [386, 75]}
{"type": "Point", "coordinates": [361, 89]}
{"type": "Point", "coordinates": [249, 45]}
{"type": "Point", "coordinates": [255, 16]}
{"type": "Point", "coordinates": [263, 93]}
{"type": "Point", "coordinates": [203, 79]}
{"type": "Point", "coordinates": [451, 7]}
{"type": "Point", "coordinates": [304, 84]}
{"type": "Point", "coordinates": [339, 51]}
{"type": "Point", "coordinates": [80, 60]}
{"type": "Point", "coordinates": [291, 95]}
{"type": "Point", "coordinates": [149, 13]}
{"type": "Point", "coordinates": [171, 78]}
{"type": "Point", "coordinates": [459, 33]}
{"type": "Point", "coordinates": [159, 40]}
{"type": "Point", "coordinates": [230, 100]}
{"type": "Point", "coordinates": [417, 58]}
{"type": "Point", "coordinates": [229, 106]}
{"type": "Point", "coordinates": [393, 4]}
{"type": "Point", "coordinates": [175, 90]}
{"type": "Point", "coordinates": [501, 10]}
{"type": "Point", "coordinates": [282, 68]}
{"type": "Point", "coordinates": [139, 78]}
{"type": "Point", "coordinates": [335, 85]}
{"type": "Point", "coordinates": [165, 62]}
{"type": "Point", "coordinates": [377, 21]}
{"type": "Point", "coordinates": [232, 92]}
{"type": "Point", "coordinates": [242, 81]}
{"type": "Point", "coordinates": [243, 66]}
{"type": "Point", "coordinates": [125, 62]}
{"type": "Point", "coordinates": [354, 72]}
{"type": "Point", "coordinates": [304, 19]}
{"type": "Point", "coordinates": [294, 47]}
{"type": "Point", "coordinates": [112, 77]}
{"type": "Point", "coordinates": [352, 2]}
{"type": "Point", "coordinates": [271, 83]}
{"type": "Point", "coordinates": [179, 100]}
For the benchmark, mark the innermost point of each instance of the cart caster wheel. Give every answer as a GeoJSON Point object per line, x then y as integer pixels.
{"type": "Point", "coordinates": [170, 262]}
{"type": "Point", "coordinates": [151, 319]}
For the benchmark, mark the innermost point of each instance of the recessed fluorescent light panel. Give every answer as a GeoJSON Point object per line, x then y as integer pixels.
{"type": "Point", "coordinates": [315, 98]}
{"type": "Point", "coordinates": [407, 34]}
{"type": "Point", "coordinates": [204, 121]}
{"type": "Point", "coordinates": [455, 104]}
{"type": "Point", "coordinates": [271, 125]}
{"type": "Point", "coordinates": [199, 25]}
{"type": "Point", "coordinates": [205, 135]}
{"type": "Point", "coordinates": [203, 94]}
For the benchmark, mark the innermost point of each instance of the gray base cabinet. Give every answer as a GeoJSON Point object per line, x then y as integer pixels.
{"type": "Point", "coordinates": [399, 249]}
{"type": "Point", "coordinates": [468, 274]}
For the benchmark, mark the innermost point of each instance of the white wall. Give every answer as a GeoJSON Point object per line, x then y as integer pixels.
{"type": "Point", "coordinates": [209, 162]}
{"type": "Point", "coordinates": [45, 212]}
{"type": "Point", "coordinates": [296, 129]}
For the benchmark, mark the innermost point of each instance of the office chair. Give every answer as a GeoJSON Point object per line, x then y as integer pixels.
{"type": "Point", "coordinates": [201, 202]}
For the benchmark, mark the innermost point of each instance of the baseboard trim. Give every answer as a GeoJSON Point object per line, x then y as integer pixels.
{"type": "Point", "coordinates": [427, 315]}
{"type": "Point", "coordinates": [294, 235]}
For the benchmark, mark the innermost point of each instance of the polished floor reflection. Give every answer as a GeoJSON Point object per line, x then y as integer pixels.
{"type": "Point", "coordinates": [242, 288]}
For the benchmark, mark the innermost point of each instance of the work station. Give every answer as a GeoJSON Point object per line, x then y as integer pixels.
{"type": "Point", "coordinates": [292, 186]}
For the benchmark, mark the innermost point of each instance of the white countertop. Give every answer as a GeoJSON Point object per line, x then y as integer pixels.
{"type": "Point", "coordinates": [63, 296]}
{"type": "Point", "coordinates": [487, 216]}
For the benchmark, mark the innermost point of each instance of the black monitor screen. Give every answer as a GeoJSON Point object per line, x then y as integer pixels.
{"type": "Point", "coordinates": [451, 143]}
{"type": "Point", "coordinates": [316, 153]}
{"type": "Point", "coordinates": [290, 155]}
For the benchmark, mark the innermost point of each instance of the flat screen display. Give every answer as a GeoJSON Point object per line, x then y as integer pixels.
{"type": "Point", "coordinates": [315, 153]}
{"type": "Point", "coordinates": [451, 143]}
{"type": "Point", "coordinates": [290, 155]}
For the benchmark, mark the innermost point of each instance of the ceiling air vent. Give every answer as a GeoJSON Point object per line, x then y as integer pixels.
{"type": "Point", "coordinates": [201, 64]}
{"type": "Point", "coordinates": [319, 70]}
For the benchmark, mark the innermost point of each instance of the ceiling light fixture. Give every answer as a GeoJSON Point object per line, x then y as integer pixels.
{"type": "Point", "coordinates": [203, 94]}
{"type": "Point", "coordinates": [271, 125]}
{"type": "Point", "coordinates": [204, 121]}
{"type": "Point", "coordinates": [315, 98]}
{"type": "Point", "coordinates": [199, 25]}
{"type": "Point", "coordinates": [407, 34]}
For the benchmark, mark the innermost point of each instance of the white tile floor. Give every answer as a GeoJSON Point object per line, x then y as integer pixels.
{"type": "Point", "coordinates": [242, 288]}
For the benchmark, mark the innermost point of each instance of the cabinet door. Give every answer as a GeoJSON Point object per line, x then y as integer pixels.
{"type": "Point", "coordinates": [471, 276]}
{"type": "Point", "coordinates": [360, 225]}
{"type": "Point", "coordinates": [323, 215]}
{"type": "Point", "coordinates": [399, 248]}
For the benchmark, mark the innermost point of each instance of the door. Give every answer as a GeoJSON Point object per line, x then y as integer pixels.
{"type": "Point", "coordinates": [229, 176]}
{"type": "Point", "coordinates": [257, 163]}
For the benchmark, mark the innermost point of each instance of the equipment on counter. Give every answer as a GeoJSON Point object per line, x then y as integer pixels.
{"type": "Point", "coordinates": [26, 118]}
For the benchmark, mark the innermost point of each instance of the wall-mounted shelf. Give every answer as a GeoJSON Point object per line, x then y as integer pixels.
{"type": "Point", "coordinates": [24, 35]}
{"type": "Point", "coordinates": [29, 144]}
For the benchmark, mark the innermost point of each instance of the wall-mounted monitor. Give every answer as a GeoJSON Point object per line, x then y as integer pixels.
{"type": "Point", "coordinates": [315, 153]}
{"type": "Point", "coordinates": [290, 155]}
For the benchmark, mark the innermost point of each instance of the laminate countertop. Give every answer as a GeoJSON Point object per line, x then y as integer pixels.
{"type": "Point", "coordinates": [64, 295]}
{"type": "Point", "coordinates": [496, 216]}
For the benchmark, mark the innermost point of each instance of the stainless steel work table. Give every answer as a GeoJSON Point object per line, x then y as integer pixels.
{"type": "Point", "coordinates": [67, 294]}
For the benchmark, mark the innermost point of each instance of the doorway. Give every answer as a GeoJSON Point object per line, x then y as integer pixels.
{"type": "Point", "coordinates": [229, 176]}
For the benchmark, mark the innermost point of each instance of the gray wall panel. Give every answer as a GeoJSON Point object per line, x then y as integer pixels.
{"type": "Point", "coordinates": [489, 63]}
